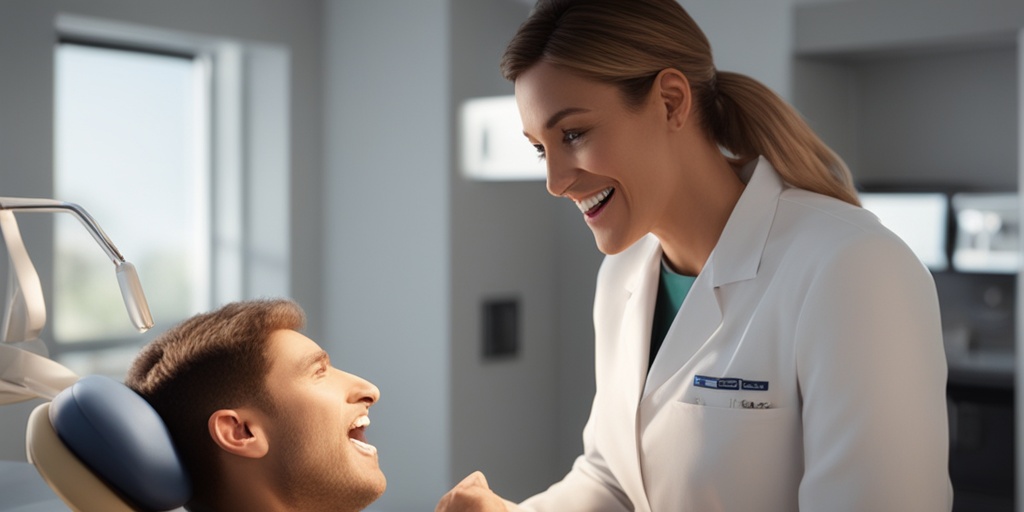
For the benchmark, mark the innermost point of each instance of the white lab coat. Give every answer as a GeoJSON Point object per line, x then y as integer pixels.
{"type": "Point", "coordinates": [809, 295]}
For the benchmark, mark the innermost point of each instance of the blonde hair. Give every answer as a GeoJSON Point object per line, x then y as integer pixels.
{"type": "Point", "coordinates": [628, 42]}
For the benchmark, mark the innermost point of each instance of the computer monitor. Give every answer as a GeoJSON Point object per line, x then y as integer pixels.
{"type": "Point", "coordinates": [919, 218]}
{"type": "Point", "coordinates": [988, 233]}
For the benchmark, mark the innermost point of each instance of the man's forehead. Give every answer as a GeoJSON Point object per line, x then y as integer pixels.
{"type": "Point", "coordinates": [290, 351]}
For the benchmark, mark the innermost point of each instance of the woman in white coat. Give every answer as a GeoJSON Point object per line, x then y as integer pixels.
{"type": "Point", "coordinates": [762, 343]}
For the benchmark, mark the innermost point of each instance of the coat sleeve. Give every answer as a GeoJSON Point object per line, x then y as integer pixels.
{"type": "Point", "coordinates": [872, 376]}
{"type": "Point", "coordinates": [588, 487]}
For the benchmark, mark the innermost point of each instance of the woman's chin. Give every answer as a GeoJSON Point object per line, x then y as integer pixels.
{"type": "Point", "coordinates": [612, 245]}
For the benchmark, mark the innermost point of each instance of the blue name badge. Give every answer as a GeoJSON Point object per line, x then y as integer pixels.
{"type": "Point", "coordinates": [728, 383]}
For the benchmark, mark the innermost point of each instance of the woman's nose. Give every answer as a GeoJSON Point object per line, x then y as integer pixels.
{"type": "Point", "coordinates": [560, 176]}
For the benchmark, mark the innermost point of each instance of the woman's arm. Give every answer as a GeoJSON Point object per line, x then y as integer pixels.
{"type": "Point", "coordinates": [872, 375]}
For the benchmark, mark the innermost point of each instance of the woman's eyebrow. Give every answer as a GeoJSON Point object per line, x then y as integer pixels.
{"type": "Point", "coordinates": [562, 114]}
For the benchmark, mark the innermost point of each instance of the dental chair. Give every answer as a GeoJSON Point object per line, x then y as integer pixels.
{"type": "Point", "coordinates": [96, 443]}
{"type": "Point", "coordinates": [101, 447]}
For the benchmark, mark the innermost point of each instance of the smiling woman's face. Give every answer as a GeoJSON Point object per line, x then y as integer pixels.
{"type": "Point", "coordinates": [615, 162]}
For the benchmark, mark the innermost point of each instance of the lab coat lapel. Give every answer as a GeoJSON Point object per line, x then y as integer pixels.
{"type": "Point", "coordinates": [736, 257]}
{"type": "Point", "coordinates": [697, 320]}
{"type": "Point", "coordinates": [634, 337]}
{"type": "Point", "coordinates": [635, 332]}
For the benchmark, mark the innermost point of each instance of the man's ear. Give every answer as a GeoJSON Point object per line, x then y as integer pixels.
{"type": "Point", "coordinates": [674, 95]}
{"type": "Point", "coordinates": [238, 432]}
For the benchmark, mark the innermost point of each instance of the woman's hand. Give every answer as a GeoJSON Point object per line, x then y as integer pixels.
{"type": "Point", "coordinates": [471, 495]}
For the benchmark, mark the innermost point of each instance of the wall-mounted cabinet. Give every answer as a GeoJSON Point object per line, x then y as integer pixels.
{"type": "Point", "coordinates": [926, 95]}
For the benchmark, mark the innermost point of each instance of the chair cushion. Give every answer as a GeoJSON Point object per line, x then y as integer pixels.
{"type": "Point", "coordinates": [69, 478]}
{"type": "Point", "coordinates": [122, 438]}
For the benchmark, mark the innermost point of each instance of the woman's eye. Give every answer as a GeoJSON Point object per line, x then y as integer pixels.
{"type": "Point", "coordinates": [570, 136]}
{"type": "Point", "coordinates": [540, 150]}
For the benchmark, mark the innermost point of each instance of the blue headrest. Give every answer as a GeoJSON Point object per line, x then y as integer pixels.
{"type": "Point", "coordinates": [117, 434]}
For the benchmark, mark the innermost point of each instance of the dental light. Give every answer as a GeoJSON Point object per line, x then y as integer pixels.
{"type": "Point", "coordinates": [25, 370]}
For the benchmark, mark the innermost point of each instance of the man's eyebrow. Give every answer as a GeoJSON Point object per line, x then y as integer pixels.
{"type": "Point", "coordinates": [562, 114]}
{"type": "Point", "coordinates": [315, 358]}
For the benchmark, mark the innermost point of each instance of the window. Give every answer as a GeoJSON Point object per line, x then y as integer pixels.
{"type": "Point", "coordinates": [177, 143]}
{"type": "Point", "coordinates": [131, 138]}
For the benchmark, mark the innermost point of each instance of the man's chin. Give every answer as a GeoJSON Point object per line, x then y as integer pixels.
{"type": "Point", "coordinates": [374, 490]}
{"type": "Point", "coordinates": [383, 485]}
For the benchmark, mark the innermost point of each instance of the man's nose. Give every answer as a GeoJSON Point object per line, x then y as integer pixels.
{"type": "Point", "coordinates": [362, 390]}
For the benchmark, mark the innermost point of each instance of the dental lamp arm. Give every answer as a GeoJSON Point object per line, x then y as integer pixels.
{"type": "Point", "coordinates": [127, 277]}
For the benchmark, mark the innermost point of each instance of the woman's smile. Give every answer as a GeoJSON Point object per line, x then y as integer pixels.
{"type": "Point", "coordinates": [591, 205]}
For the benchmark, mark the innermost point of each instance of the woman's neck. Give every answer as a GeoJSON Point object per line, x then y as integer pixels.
{"type": "Point", "coordinates": [692, 226]}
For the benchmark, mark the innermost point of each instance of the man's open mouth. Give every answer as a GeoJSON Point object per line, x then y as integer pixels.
{"type": "Point", "coordinates": [357, 434]}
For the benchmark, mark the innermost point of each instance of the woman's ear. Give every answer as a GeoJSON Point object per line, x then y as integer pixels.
{"type": "Point", "coordinates": [238, 432]}
{"type": "Point", "coordinates": [674, 95]}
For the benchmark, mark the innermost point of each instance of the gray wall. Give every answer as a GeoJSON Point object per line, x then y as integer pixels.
{"type": "Point", "coordinates": [911, 99]}
{"type": "Point", "coordinates": [920, 122]}
{"type": "Point", "coordinates": [386, 233]}
{"type": "Point", "coordinates": [26, 143]}
{"type": "Point", "coordinates": [503, 245]}
{"type": "Point", "coordinates": [936, 118]}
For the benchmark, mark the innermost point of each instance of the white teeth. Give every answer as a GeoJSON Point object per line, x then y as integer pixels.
{"type": "Point", "coordinates": [364, 447]}
{"type": "Point", "coordinates": [586, 204]}
{"type": "Point", "coordinates": [362, 421]}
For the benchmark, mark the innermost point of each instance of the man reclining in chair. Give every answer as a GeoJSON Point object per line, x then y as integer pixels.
{"type": "Point", "coordinates": [260, 418]}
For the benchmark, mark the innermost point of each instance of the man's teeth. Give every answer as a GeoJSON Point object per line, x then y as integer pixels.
{"type": "Point", "coordinates": [362, 421]}
{"type": "Point", "coordinates": [586, 204]}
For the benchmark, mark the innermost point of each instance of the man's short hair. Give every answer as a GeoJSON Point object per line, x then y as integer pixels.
{"type": "Point", "coordinates": [212, 361]}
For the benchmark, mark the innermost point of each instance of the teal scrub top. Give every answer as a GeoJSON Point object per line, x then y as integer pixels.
{"type": "Point", "coordinates": [672, 290]}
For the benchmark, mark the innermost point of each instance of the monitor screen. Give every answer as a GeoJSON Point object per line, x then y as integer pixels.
{"type": "Point", "coordinates": [987, 234]}
{"type": "Point", "coordinates": [919, 218]}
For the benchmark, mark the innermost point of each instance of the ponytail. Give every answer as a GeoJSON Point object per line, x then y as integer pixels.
{"type": "Point", "coordinates": [748, 119]}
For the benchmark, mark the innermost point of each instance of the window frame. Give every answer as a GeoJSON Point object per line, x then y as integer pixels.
{"type": "Point", "coordinates": [247, 152]}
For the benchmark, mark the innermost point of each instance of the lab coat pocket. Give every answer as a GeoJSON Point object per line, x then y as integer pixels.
{"type": "Point", "coordinates": [724, 458]}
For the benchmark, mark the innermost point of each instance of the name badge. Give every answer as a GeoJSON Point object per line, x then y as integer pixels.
{"type": "Point", "coordinates": [729, 383]}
